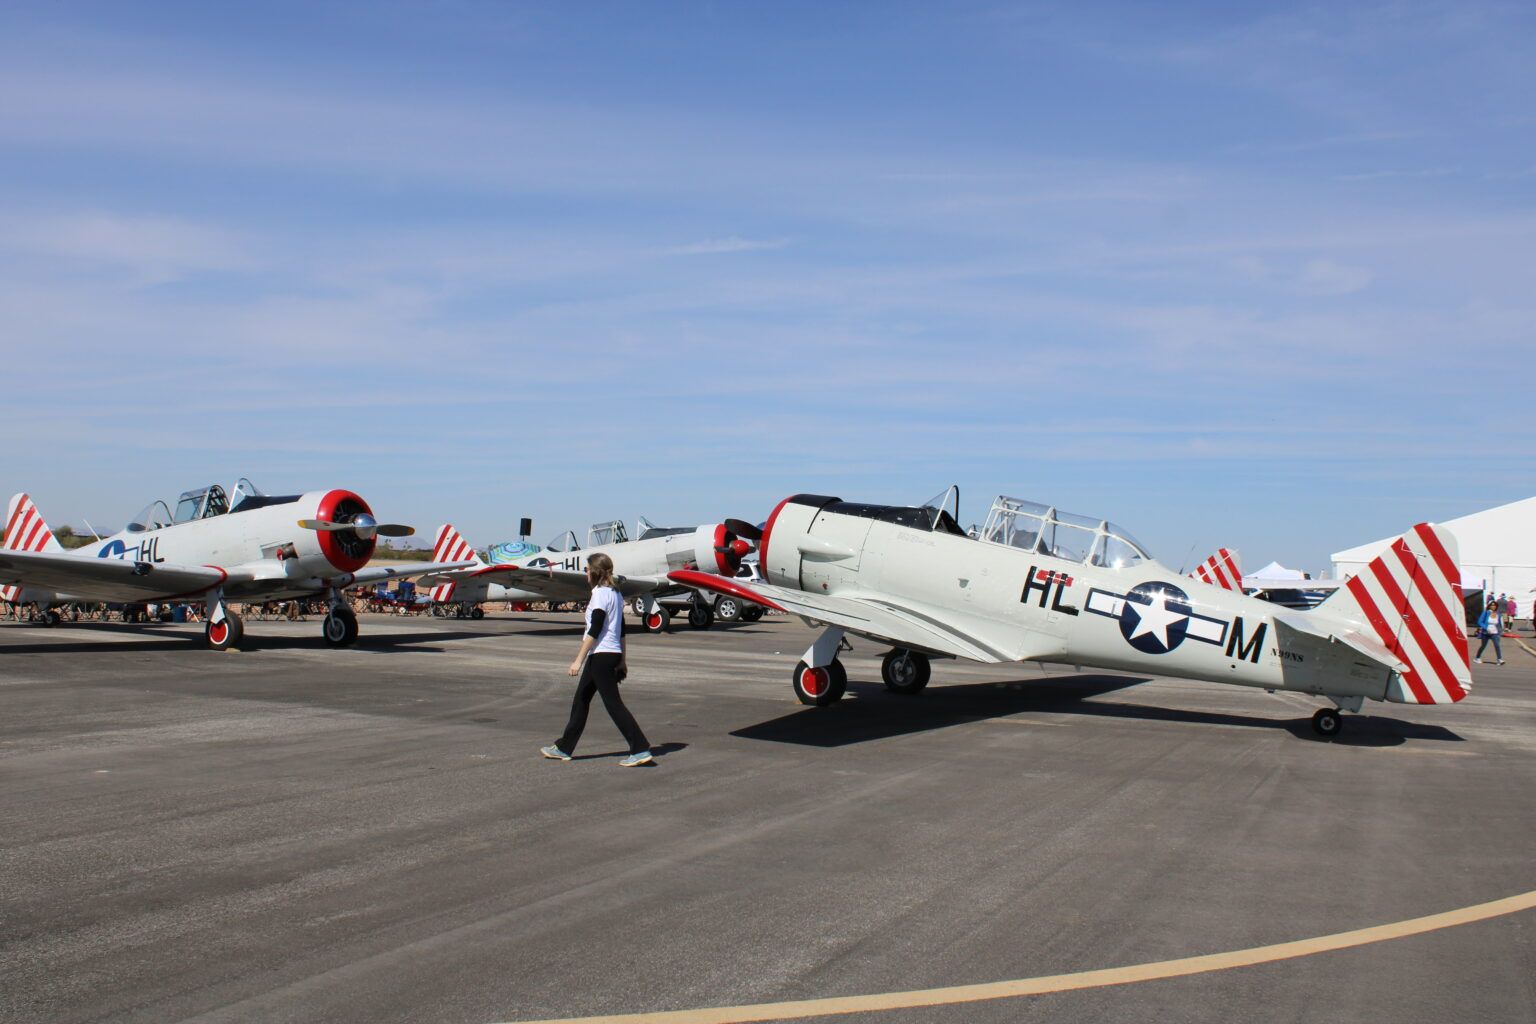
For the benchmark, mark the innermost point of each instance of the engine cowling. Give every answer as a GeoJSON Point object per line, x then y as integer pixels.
{"type": "Point", "coordinates": [344, 549]}
{"type": "Point", "coordinates": [716, 549]}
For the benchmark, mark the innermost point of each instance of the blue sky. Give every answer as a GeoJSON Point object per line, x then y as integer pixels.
{"type": "Point", "coordinates": [1252, 275]}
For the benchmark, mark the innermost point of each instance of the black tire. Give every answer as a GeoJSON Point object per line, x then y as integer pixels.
{"type": "Point", "coordinates": [905, 672]}
{"type": "Point", "coordinates": [659, 621]}
{"type": "Point", "coordinates": [752, 613]}
{"type": "Point", "coordinates": [820, 690]}
{"type": "Point", "coordinates": [638, 607]}
{"type": "Point", "coordinates": [221, 636]}
{"type": "Point", "coordinates": [700, 616]}
{"type": "Point", "coordinates": [1327, 722]}
{"type": "Point", "coordinates": [340, 627]}
{"type": "Point", "coordinates": [727, 608]}
{"type": "Point", "coordinates": [52, 618]}
{"type": "Point", "coordinates": [477, 613]}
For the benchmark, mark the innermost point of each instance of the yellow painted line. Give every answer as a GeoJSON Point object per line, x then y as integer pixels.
{"type": "Point", "coordinates": [801, 1009]}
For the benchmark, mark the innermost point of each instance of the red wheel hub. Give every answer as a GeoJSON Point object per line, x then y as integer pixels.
{"type": "Point", "coordinates": [814, 681]}
{"type": "Point", "coordinates": [654, 622]}
{"type": "Point", "coordinates": [218, 632]}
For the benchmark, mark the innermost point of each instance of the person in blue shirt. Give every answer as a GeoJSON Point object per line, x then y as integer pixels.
{"type": "Point", "coordinates": [600, 663]}
{"type": "Point", "coordinates": [1490, 625]}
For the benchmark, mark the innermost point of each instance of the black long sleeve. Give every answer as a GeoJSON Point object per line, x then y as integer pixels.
{"type": "Point", "coordinates": [599, 618]}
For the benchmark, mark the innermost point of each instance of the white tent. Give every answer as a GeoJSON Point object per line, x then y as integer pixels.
{"type": "Point", "coordinates": [1496, 548]}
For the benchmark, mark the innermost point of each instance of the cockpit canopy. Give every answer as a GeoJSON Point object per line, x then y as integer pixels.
{"type": "Point", "coordinates": [202, 503]}
{"type": "Point", "coordinates": [1016, 523]}
{"type": "Point", "coordinates": [607, 533]}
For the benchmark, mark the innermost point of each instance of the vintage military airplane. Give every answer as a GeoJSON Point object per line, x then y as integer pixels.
{"type": "Point", "coordinates": [1037, 584]}
{"type": "Point", "coordinates": [558, 572]}
{"type": "Point", "coordinates": [217, 547]}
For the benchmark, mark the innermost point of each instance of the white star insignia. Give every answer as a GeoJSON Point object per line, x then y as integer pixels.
{"type": "Point", "coordinates": [1155, 618]}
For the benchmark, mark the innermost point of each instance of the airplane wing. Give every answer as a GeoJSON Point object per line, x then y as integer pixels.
{"type": "Point", "coordinates": [112, 579]}
{"type": "Point", "coordinates": [564, 584]}
{"type": "Point", "coordinates": [378, 573]}
{"type": "Point", "coordinates": [881, 619]}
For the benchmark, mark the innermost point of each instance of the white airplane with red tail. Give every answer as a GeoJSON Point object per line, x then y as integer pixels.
{"type": "Point", "coordinates": [559, 572]}
{"type": "Point", "coordinates": [1037, 584]}
{"type": "Point", "coordinates": [216, 548]}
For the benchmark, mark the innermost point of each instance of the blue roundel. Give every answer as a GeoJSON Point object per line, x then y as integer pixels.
{"type": "Point", "coordinates": [1155, 617]}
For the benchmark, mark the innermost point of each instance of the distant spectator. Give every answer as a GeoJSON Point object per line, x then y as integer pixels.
{"type": "Point", "coordinates": [1490, 626]}
{"type": "Point", "coordinates": [1510, 611]}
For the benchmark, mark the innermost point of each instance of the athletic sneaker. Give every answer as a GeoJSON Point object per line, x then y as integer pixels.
{"type": "Point", "coordinates": [644, 757]}
{"type": "Point", "coordinates": [554, 753]}
{"type": "Point", "coordinates": [1501, 661]}
{"type": "Point", "coordinates": [1478, 660]}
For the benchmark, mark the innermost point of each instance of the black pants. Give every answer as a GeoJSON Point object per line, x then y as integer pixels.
{"type": "Point", "coordinates": [597, 676]}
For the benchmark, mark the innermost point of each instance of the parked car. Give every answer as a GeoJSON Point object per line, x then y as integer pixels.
{"type": "Point", "coordinates": [726, 607]}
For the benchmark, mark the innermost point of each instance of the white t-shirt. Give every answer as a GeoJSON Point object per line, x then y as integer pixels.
{"type": "Point", "coordinates": [609, 641]}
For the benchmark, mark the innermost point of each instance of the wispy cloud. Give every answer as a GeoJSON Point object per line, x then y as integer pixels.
{"type": "Point", "coordinates": [713, 246]}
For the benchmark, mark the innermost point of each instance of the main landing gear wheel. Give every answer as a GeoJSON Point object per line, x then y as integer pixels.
{"type": "Point", "coordinates": [52, 618]}
{"type": "Point", "coordinates": [226, 633]}
{"type": "Point", "coordinates": [658, 621]}
{"type": "Point", "coordinates": [700, 616]}
{"type": "Point", "coordinates": [638, 607]}
{"type": "Point", "coordinates": [477, 613]}
{"type": "Point", "coordinates": [905, 672]}
{"type": "Point", "coordinates": [1327, 722]}
{"type": "Point", "coordinates": [727, 609]}
{"type": "Point", "coordinates": [340, 627]}
{"type": "Point", "coordinates": [752, 612]}
{"type": "Point", "coordinates": [819, 687]}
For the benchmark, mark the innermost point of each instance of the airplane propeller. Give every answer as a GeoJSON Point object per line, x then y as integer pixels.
{"type": "Point", "coordinates": [363, 524]}
{"type": "Point", "coordinates": [744, 529]}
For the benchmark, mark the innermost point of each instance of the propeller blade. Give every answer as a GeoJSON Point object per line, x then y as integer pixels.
{"type": "Point", "coordinates": [323, 525]}
{"type": "Point", "coordinates": [395, 530]}
{"type": "Point", "coordinates": [744, 529]}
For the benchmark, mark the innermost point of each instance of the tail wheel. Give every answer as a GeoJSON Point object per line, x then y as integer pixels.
{"type": "Point", "coordinates": [700, 616]}
{"type": "Point", "coordinates": [1327, 722]}
{"type": "Point", "coordinates": [340, 627]}
{"type": "Point", "coordinates": [821, 686]}
{"type": "Point", "coordinates": [659, 621]}
{"type": "Point", "coordinates": [225, 633]}
{"type": "Point", "coordinates": [751, 613]}
{"type": "Point", "coordinates": [727, 609]}
{"type": "Point", "coordinates": [905, 672]}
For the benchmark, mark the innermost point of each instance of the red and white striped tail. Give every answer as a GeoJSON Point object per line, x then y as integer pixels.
{"type": "Point", "coordinates": [1410, 600]}
{"type": "Point", "coordinates": [450, 547]}
{"type": "Point", "coordinates": [1220, 570]}
{"type": "Point", "coordinates": [26, 530]}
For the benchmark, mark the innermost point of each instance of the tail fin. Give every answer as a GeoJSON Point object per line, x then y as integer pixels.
{"type": "Point", "coordinates": [26, 530]}
{"type": "Point", "coordinates": [450, 547]}
{"type": "Point", "coordinates": [1220, 570]}
{"type": "Point", "coordinates": [1410, 599]}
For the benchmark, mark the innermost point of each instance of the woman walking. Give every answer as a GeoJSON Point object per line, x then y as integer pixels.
{"type": "Point", "coordinates": [600, 663]}
{"type": "Point", "coordinates": [1490, 625]}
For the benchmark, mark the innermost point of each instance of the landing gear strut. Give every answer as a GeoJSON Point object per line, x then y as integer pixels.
{"type": "Point", "coordinates": [224, 629]}
{"type": "Point", "coordinates": [905, 672]}
{"type": "Point", "coordinates": [819, 678]}
{"type": "Point", "coordinates": [655, 618]}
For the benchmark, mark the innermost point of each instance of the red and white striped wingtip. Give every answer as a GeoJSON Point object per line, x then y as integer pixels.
{"type": "Point", "coordinates": [1220, 570]}
{"type": "Point", "coordinates": [1411, 597]}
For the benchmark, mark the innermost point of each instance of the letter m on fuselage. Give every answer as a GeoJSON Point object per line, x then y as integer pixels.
{"type": "Point", "coordinates": [1245, 651]}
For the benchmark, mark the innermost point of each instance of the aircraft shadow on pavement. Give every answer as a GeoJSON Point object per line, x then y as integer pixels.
{"type": "Point", "coordinates": [878, 714]}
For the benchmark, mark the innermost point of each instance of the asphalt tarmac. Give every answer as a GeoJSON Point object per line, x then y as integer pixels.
{"type": "Point", "coordinates": [293, 833]}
